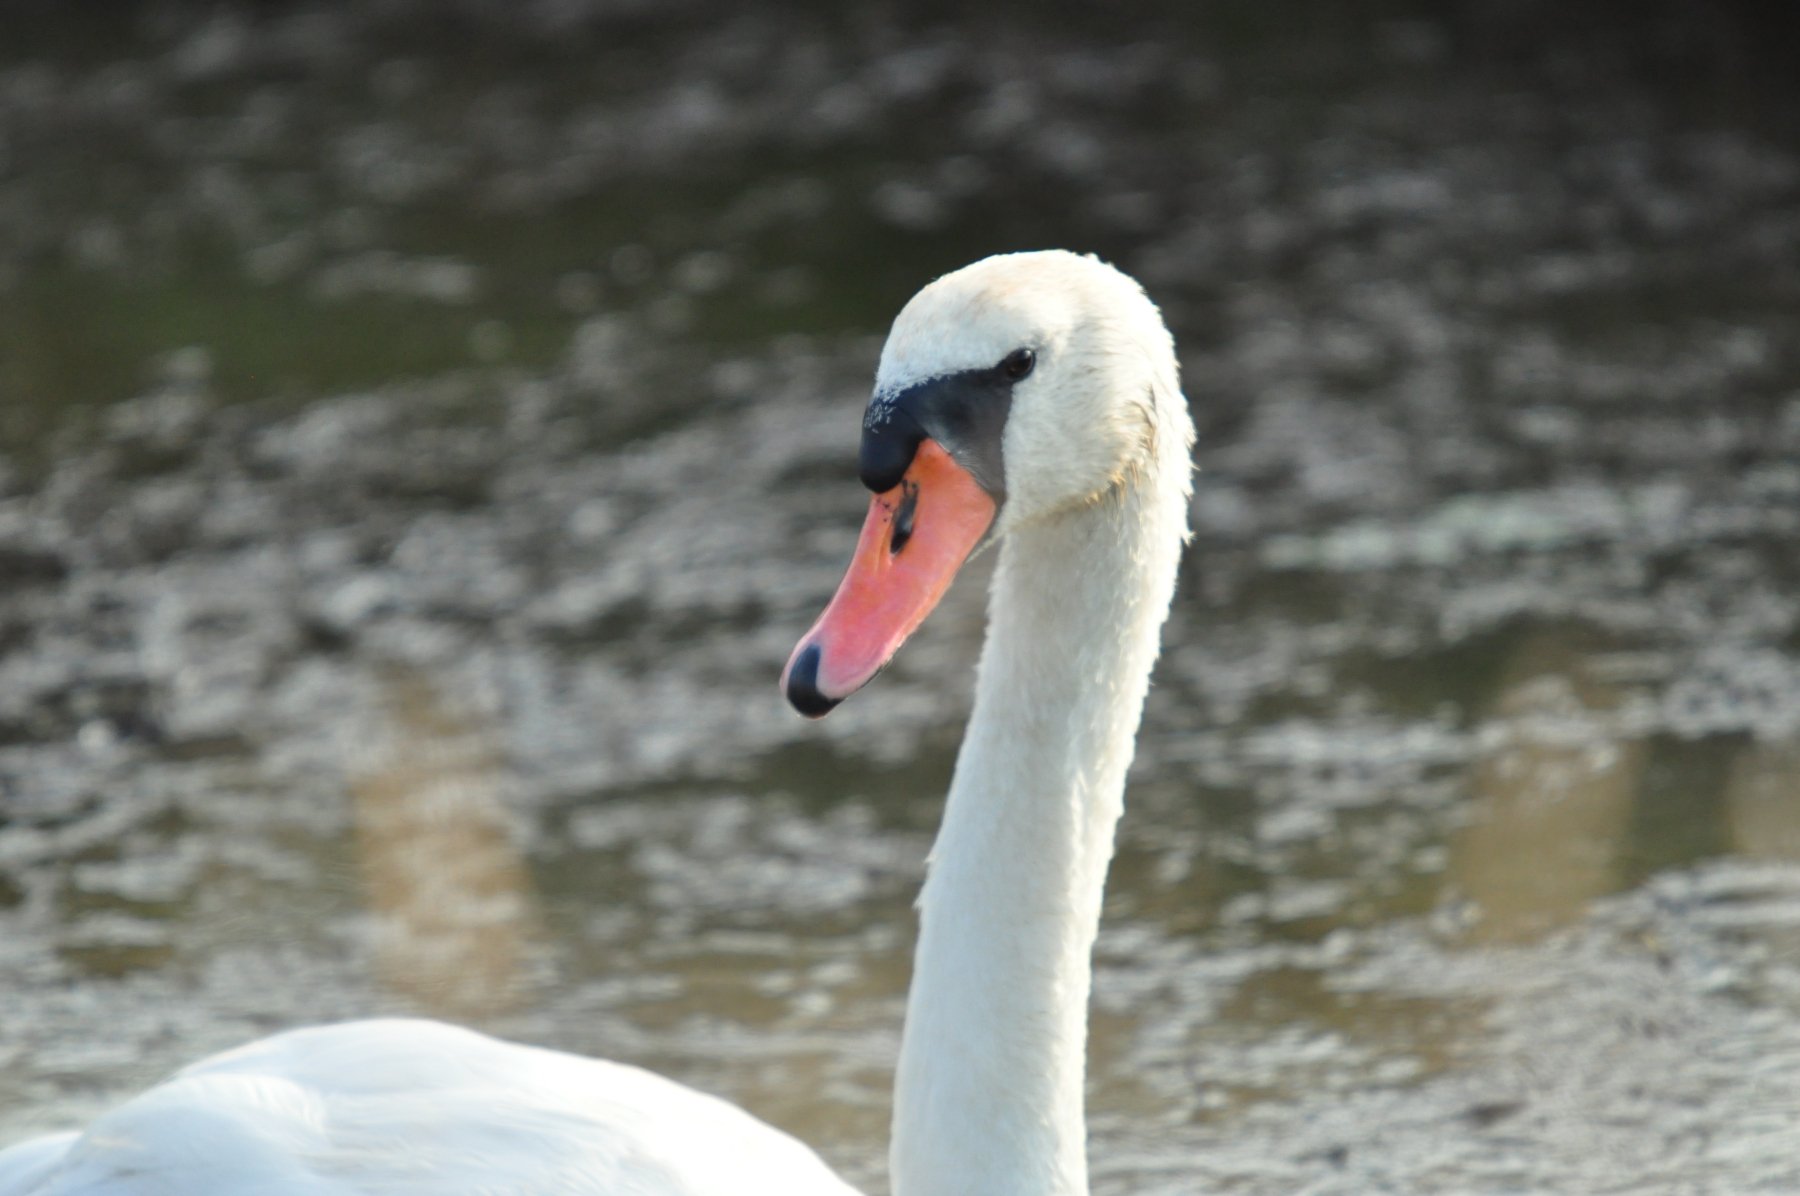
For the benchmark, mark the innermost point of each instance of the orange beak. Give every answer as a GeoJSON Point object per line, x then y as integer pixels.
{"type": "Point", "coordinates": [916, 537]}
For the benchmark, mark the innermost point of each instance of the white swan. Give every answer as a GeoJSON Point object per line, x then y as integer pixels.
{"type": "Point", "coordinates": [1030, 399]}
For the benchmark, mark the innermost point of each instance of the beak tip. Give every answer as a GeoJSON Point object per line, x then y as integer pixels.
{"type": "Point", "coordinates": [802, 684]}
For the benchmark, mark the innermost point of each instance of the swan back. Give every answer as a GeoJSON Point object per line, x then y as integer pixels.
{"type": "Point", "coordinates": [415, 1106]}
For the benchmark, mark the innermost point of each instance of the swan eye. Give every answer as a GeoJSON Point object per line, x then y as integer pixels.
{"type": "Point", "coordinates": [1018, 364]}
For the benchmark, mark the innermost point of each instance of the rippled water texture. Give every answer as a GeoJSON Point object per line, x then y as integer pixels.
{"type": "Point", "coordinates": [425, 434]}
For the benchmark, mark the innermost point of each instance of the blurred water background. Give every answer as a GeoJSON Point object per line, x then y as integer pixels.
{"type": "Point", "coordinates": [424, 428]}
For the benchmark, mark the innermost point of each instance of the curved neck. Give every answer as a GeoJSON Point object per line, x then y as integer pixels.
{"type": "Point", "coordinates": [989, 1093]}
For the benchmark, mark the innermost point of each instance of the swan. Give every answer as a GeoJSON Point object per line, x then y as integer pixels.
{"type": "Point", "coordinates": [1029, 401]}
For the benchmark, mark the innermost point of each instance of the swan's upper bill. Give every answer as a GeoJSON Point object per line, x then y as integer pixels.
{"type": "Point", "coordinates": [989, 412]}
{"type": "Point", "coordinates": [918, 533]}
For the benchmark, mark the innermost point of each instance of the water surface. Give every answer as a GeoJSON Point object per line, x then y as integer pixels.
{"type": "Point", "coordinates": [423, 441]}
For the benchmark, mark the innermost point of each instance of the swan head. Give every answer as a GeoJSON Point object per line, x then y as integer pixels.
{"type": "Point", "coordinates": [1009, 392]}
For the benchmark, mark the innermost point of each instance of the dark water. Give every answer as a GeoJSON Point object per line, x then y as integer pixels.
{"type": "Point", "coordinates": [425, 432]}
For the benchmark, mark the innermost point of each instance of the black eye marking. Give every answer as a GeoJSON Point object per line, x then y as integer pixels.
{"type": "Point", "coordinates": [964, 411]}
{"type": "Point", "coordinates": [1018, 364]}
{"type": "Point", "coordinates": [903, 519]}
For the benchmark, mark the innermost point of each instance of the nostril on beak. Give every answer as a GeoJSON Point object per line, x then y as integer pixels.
{"type": "Point", "coordinates": [903, 520]}
{"type": "Point", "coordinates": [803, 685]}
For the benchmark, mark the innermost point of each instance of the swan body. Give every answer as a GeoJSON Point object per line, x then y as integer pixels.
{"type": "Point", "coordinates": [393, 1106]}
{"type": "Point", "coordinates": [1029, 400]}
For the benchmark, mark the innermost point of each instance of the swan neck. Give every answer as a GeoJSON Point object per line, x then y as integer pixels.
{"type": "Point", "coordinates": [989, 1092]}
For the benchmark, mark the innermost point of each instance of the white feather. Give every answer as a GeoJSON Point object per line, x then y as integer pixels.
{"type": "Point", "coordinates": [400, 1106]}
{"type": "Point", "coordinates": [988, 1098]}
